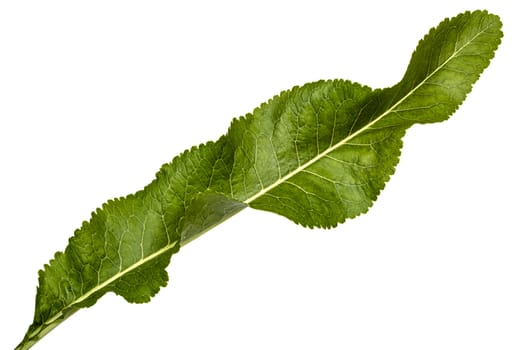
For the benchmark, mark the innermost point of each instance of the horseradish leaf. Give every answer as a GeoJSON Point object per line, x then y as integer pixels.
{"type": "Point", "coordinates": [316, 154]}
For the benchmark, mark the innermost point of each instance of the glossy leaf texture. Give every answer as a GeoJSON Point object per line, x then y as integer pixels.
{"type": "Point", "coordinates": [316, 154]}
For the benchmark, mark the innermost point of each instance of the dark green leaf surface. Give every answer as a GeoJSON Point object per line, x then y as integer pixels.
{"type": "Point", "coordinates": [317, 154]}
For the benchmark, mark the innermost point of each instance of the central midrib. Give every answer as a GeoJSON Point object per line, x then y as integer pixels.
{"type": "Point", "coordinates": [258, 194]}
{"type": "Point", "coordinates": [330, 149]}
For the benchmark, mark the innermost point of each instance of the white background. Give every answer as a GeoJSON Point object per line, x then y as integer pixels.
{"type": "Point", "coordinates": [96, 95]}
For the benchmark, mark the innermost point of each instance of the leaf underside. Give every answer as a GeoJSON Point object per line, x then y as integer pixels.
{"type": "Point", "coordinates": [316, 154]}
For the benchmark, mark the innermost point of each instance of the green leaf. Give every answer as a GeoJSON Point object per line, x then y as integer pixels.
{"type": "Point", "coordinates": [316, 154]}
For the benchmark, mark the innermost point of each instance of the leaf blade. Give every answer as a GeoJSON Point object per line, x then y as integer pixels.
{"type": "Point", "coordinates": [317, 154]}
